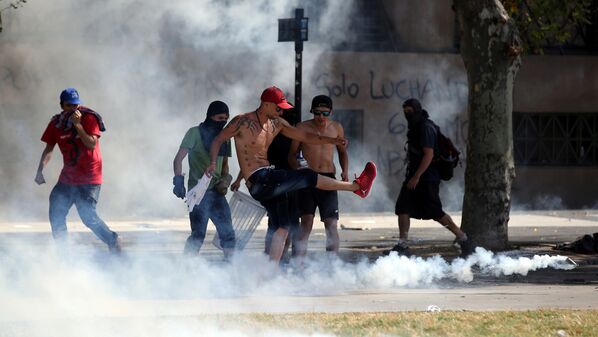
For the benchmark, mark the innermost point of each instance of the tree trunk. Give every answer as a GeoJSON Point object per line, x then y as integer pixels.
{"type": "Point", "coordinates": [490, 48]}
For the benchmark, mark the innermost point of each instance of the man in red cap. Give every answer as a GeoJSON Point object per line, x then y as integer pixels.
{"type": "Point", "coordinates": [253, 133]}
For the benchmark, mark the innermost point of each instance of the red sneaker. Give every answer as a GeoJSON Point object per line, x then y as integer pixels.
{"type": "Point", "coordinates": [365, 180]}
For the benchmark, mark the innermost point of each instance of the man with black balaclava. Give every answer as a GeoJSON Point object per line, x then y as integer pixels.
{"type": "Point", "coordinates": [213, 206]}
{"type": "Point", "coordinates": [419, 196]}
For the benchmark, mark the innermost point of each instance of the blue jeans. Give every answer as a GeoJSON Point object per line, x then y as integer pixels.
{"type": "Point", "coordinates": [85, 198]}
{"type": "Point", "coordinates": [214, 207]}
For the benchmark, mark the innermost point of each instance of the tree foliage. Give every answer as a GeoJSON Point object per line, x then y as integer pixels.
{"type": "Point", "coordinates": [12, 4]}
{"type": "Point", "coordinates": [549, 23]}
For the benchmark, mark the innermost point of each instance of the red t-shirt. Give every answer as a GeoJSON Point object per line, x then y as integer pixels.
{"type": "Point", "coordinates": [81, 165]}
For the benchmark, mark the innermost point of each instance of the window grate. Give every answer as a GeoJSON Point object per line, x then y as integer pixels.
{"type": "Point", "coordinates": [546, 139]}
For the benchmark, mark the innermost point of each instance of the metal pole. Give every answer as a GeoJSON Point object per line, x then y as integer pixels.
{"type": "Point", "coordinates": [298, 69]}
{"type": "Point", "coordinates": [298, 62]}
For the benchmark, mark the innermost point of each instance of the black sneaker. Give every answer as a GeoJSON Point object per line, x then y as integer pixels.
{"type": "Point", "coordinates": [466, 246]}
{"type": "Point", "coordinates": [401, 248]}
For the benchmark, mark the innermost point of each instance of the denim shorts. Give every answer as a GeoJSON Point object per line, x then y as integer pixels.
{"type": "Point", "coordinates": [274, 189]}
{"type": "Point", "coordinates": [268, 183]}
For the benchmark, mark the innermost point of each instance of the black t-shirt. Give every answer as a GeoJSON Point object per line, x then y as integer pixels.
{"type": "Point", "coordinates": [278, 152]}
{"type": "Point", "coordinates": [424, 136]}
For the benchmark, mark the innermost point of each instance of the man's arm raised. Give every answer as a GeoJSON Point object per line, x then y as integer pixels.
{"type": "Point", "coordinates": [307, 137]}
{"type": "Point", "coordinates": [343, 157]}
{"type": "Point", "coordinates": [232, 129]}
{"type": "Point", "coordinates": [89, 141]}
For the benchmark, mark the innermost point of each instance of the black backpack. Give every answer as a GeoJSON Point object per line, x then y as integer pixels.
{"type": "Point", "coordinates": [447, 158]}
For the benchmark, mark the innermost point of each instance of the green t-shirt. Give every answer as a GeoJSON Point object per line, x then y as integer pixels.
{"type": "Point", "coordinates": [199, 158]}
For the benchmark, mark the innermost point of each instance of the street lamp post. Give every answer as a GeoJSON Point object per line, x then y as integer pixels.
{"type": "Point", "coordinates": [295, 29]}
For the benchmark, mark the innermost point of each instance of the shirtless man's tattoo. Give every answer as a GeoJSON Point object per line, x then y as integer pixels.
{"type": "Point", "coordinates": [251, 125]}
{"type": "Point", "coordinates": [275, 124]}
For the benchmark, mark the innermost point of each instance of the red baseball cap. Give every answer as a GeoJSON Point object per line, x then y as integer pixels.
{"type": "Point", "coordinates": [276, 96]}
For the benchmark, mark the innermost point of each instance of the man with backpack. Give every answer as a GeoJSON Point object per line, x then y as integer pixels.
{"type": "Point", "coordinates": [419, 196]}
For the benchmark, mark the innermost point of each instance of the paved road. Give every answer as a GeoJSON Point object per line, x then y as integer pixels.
{"type": "Point", "coordinates": [365, 237]}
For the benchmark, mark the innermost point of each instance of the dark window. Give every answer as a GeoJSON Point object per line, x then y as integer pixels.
{"type": "Point", "coordinates": [369, 29]}
{"type": "Point", "coordinates": [544, 139]}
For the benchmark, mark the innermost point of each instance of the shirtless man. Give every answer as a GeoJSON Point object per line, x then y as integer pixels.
{"type": "Point", "coordinates": [253, 132]}
{"type": "Point", "coordinates": [320, 158]}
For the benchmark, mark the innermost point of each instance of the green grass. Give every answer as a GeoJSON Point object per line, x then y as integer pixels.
{"type": "Point", "coordinates": [538, 323]}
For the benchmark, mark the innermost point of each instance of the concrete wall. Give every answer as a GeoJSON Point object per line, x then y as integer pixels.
{"type": "Point", "coordinates": [557, 84]}
{"type": "Point", "coordinates": [377, 83]}
{"type": "Point", "coordinates": [423, 25]}
{"type": "Point", "coordinates": [556, 187]}
{"type": "Point", "coordinates": [370, 88]}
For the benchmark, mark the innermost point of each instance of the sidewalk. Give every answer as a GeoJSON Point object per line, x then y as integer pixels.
{"type": "Point", "coordinates": [361, 235]}
{"type": "Point", "coordinates": [365, 236]}
{"type": "Point", "coordinates": [561, 219]}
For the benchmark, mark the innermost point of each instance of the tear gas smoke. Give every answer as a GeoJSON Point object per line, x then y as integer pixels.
{"type": "Point", "coordinates": [71, 279]}
{"type": "Point", "coordinates": [70, 290]}
{"type": "Point", "coordinates": [150, 68]}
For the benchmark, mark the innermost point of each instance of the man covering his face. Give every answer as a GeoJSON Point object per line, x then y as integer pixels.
{"type": "Point", "coordinates": [216, 119]}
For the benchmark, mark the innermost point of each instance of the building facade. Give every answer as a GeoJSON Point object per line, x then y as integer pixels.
{"type": "Point", "coordinates": [403, 49]}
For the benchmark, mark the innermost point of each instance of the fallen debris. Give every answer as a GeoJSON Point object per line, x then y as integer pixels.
{"type": "Point", "coordinates": [346, 228]}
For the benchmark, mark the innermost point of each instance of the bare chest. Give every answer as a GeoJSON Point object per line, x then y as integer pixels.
{"type": "Point", "coordinates": [257, 138]}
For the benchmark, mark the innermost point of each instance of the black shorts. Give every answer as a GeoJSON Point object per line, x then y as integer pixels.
{"type": "Point", "coordinates": [277, 220]}
{"type": "Point", "coordinates": [326, 201]}
{"type": "Point", "coordinates": [274, 189]}
{"type": "Point", "coordinates": [268, 183]}
{"type": "Point", "coordinates": [421, 203]}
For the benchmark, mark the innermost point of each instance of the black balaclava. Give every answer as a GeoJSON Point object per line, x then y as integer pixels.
{"type": "Point", "coordinates": [211, 128]}
{"type": "Point", "coordinates": [418, 115]}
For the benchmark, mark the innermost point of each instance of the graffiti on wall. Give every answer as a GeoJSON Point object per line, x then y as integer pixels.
{"type": "Point", "coordinates": [388, 148]}
{"type": "Point", "coordinates": [382, 88]}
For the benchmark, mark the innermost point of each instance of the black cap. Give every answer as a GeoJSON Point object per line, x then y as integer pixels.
{"type": "Point", "coordinates": [216, 108]}
{"type": "Point", "coordinates": [321, 101]}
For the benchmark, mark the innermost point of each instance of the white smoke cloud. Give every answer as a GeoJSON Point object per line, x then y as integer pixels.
{"type": "Point", "coordinates": [72, 280]}
{"type": "Point", "coordinates": [540, 202]}
{"type": "Point", "coordinates": [150, 68]}
{"type": "Point", "coordinates": [76, 290]}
